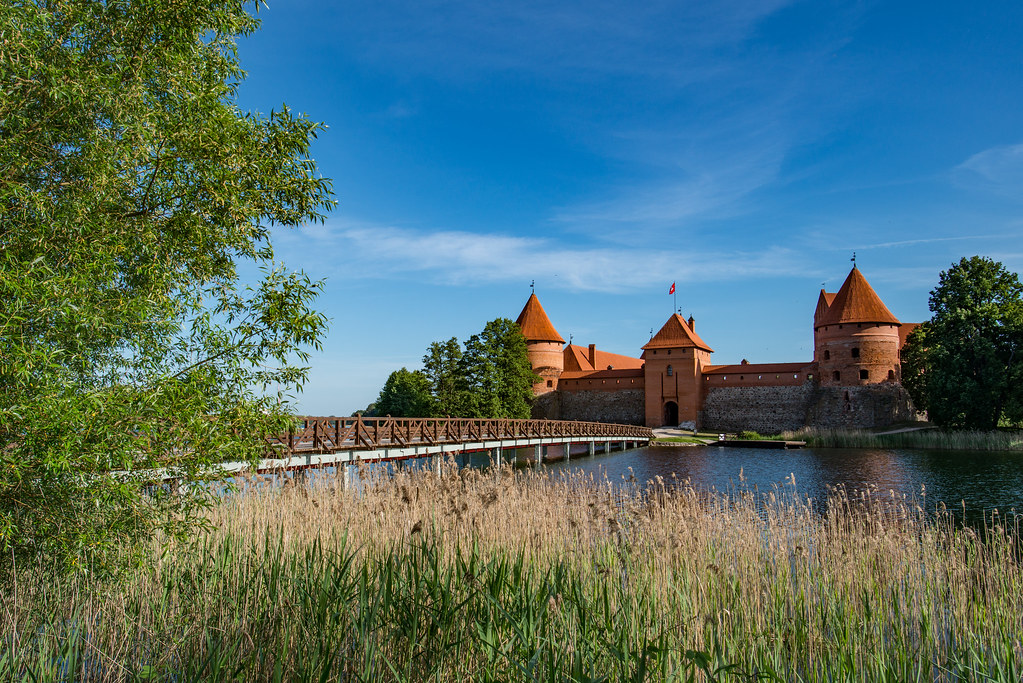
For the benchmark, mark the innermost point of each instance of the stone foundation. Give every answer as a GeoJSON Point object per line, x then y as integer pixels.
{"type": "Point", "coordinates": [863, 407]}
{"type": "Point", "coordinates": [770, 410]}
{"type": "Point", "coordinates": [617, 407]}
{"type": "Point", "coordinates": [767, 410]}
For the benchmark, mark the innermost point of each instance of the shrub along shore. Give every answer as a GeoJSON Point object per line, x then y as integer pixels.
{"type": "Point", "coordinates": [504, 576]}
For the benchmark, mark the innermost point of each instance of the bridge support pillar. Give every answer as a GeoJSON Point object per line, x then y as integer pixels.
{"type": "Point", "coordinates": [436, 461]}
{"type": "Point", "coordinates": [592, 448]}
{"type": "Point", "coordinates": [538, 455]}
{"type": "Point", "coordinates": [497, 456]}
{"type": "Point", "coordinates": [607, 446]}
{"type": "Point", "coordinates": [347, 476]}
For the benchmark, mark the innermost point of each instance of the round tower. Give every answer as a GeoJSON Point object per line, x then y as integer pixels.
{"type": "Point", "coordinates": [856, 337]}
{"type": "Point", "coordinates": [543, 344]}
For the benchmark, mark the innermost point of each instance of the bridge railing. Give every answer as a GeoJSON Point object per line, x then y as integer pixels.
{"type": "Point", "coordinates": [328, 434]}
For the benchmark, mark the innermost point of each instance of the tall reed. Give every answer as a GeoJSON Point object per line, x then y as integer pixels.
{"type": "Point", "coordinates": [502, 575]}
{"type": "Point", "coordinates": [935, 439]}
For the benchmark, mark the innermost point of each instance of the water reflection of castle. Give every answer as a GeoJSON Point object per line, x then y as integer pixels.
{"type": "Point", "coordinates": [852, 381]}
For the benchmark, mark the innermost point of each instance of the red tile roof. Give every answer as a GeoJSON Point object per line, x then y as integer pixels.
{"type": "Point", "coordinates": [823, 301]}
{"type": "Point", "coordinates": [577, 358]}
{"type": "Point", "coordinates": [675, 335]}
{"type": "Point", "coordinates": [535, 324]}
{"type": "Point", "coordinates": [755, 368]}
{"type": "Point", "coordinates": [856, 302]}
{"type": "Point", "coordinates": [603, 374]}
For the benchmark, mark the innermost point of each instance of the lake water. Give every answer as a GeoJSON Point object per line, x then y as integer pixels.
{"type": "Point", "coordinates": [984, 481]}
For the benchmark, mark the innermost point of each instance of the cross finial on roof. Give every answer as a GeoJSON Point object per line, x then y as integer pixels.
{"type": "Point", "coordinates": [569, 339]}
{"type": "Point", "coordinates": [532, 284]}
{"type": "Point", "coordinates": [853, 259]}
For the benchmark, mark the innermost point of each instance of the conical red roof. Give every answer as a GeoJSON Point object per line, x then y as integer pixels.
{"type": "Point", "coordinates": [857, 302]}
{"type": "Point", "coordinates": [676, 335]}
{"type": "Point", "coordinates": [535, 324]}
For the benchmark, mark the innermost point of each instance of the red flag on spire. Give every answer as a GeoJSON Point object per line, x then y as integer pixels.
{"type": "Point", "coordinates": [671, 290]}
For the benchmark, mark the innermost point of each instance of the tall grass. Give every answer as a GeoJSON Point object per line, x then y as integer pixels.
{"type": "Point", "coordinates": [507, 576]}
{"type": "Point", "coordinates": [924, 438]}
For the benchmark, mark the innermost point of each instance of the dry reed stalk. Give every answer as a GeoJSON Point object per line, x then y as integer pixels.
{"type": "Point", "coordinates": [762, 580]}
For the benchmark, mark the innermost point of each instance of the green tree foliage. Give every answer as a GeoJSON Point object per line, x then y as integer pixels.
{"type": "Point", "coordinates": [496, 372]}
{"type": "Point", "coordinates": [406, 394]}
{"type": "Point", "coordinates": [131, 189]}
{"type": "Point", "coordinates": [966, 364]}
{"type": "Point", "coordinates": [491, 378]}
{"type": "Point", "coordinates": [442, 365]}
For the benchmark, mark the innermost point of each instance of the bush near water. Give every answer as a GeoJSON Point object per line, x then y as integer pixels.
{"type": "Point", "coordinates": [505, 576]}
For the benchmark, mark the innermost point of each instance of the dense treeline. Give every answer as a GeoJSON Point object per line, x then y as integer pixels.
{"type": "Point", "coordinates": [965, 365]}
{"type": "Point", "coordinates": [490, 376]}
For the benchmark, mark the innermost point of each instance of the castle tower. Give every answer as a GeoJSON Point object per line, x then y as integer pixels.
{"type": "Point", "coordinates": [856, 337]}
{"type": "Point", "coordinates": [543, 344]}
{"type": "Point", "coordinates": [675, 358]}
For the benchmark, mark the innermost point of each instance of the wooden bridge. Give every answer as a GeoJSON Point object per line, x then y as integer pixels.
{"type": "Point", "coordinates": [338, 441]}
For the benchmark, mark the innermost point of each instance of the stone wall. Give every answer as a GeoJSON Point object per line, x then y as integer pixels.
{"type": "Point", "coordinates": [767, 410]}
{"type": "Point", "coordinates": [770, 410]}
{"type": "Point", "coordinates": [617, 407]}
{"type": "Point", "coordinates": [864, 407]}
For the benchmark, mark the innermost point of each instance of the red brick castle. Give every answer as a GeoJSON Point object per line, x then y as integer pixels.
{"type": "Point", "coordinates": [852, 381]}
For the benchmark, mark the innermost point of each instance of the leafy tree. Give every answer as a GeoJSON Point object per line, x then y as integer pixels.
{"type": "Point", "coordinates": [442, 366]}
{"type": "Point", "coordinates": [406, 394]}
{"type": "Point", "coordinates": [966, 365]}
{"type": "Point", "coordinates": [131, 188]}
{"type": "Point", "coordinates": [497, 374]}
{"type": "Point", "coordinates": [914, 362]}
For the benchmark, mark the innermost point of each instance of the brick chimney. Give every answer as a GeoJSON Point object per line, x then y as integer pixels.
{"type": "Point", "coordinates": [593, 355]}
{"type": "Point", "coordinates": [692, 324]}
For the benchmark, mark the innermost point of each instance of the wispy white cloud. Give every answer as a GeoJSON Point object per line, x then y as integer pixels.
{"type": "Point", "coordinates": [999, 169]}
{"type": "Point", "coordinates": [452, 257]}
{"type": "Point", "coordinates": [918, 242]}
{"type": "Point", "coordinates": [454, 39]}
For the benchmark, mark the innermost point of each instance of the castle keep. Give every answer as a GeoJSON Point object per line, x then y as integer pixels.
{"type": "Point", "coordinates": [852, 381]}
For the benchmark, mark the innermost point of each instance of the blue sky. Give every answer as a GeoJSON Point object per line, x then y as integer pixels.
{"type": "Point", "coordinates": [742, 149]}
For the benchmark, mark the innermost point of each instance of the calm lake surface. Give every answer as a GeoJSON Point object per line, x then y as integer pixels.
{"type": "Point", "coordinates": [985, 481]}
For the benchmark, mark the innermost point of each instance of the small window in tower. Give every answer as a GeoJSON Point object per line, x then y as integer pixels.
{"type": "Point", "coordinates": [864, 374]}
{"type": "Point", "coordinates": [856, 352]}
{"type": "Point", "coordinates": [836, 375]}
{"type": "Point", "coordinates": [742, 376]}
{"type": "Point", "coordinates": [827, 355]}
{"type": "Point", "coordinates": [550, 383]}
{"type": "Point", "coordinates": [669, 352]}
{"type": "Point", "coordinates": [891, 375]}
{"type": "Point", "coordinates": [669, 371]}
{"type": "Point", "coordinates": [760, 376]}
{"type": "Point", "coordinates": [795, 376]}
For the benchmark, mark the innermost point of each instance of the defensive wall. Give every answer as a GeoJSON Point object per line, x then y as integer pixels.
{"type": "Point", "coordinates": [620, 406]}
{"type": "Point", "coordinates": [853, 380]}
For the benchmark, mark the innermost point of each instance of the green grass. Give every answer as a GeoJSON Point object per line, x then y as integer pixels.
{"type": "Point", "coordinates": [680, 439]}
{"type": "Point", "coordinates": [517, 577]}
